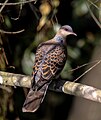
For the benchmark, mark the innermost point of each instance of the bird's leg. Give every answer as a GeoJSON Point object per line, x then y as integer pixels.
{"type": "Point", "coordinates": [57, 84]}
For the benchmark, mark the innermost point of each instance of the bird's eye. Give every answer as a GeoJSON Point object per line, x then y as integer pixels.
{"type": "Point", "coordinates": [65, 29]}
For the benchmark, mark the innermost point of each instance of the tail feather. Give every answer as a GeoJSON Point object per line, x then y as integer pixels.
{"type": "Point", "coordinates": [34, 99]}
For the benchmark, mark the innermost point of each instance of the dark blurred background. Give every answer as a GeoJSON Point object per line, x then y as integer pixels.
{"type": "Point", "coordinates": [40, 21]}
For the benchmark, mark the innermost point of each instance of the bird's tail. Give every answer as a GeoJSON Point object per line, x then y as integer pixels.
{"type": "Point", "coordinates": [34, 99]}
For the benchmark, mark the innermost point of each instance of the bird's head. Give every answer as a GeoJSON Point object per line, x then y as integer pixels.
{"type": "Point", "coordinates": [63, 32]}
{"type": "Point", "coordinates": [66, 30]}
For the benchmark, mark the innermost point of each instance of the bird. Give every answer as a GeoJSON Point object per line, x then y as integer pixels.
{"type": "Point", "coordinates": [50, 59]}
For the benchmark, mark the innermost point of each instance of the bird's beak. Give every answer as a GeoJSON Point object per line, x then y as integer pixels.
{"type": "Point", "coordinates": [72, 33]}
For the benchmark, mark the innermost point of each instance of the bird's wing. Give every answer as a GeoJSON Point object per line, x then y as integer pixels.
{"type": "Point", "coordinates": [53, 62]}
{"type": "Point", "coordinates": [49, 62]}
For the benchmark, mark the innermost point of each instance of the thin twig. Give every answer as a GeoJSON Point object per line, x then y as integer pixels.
{"type": "Point", "coordinates": [6, 32]}
{"type": "Point", "coordinates": [18, 3]}
{"type": "Point", "coordinates": [4, 55]}
{"type": "Point", "coordinates": [87, 70]}
{"type": "Point", "coordinates": [20, 9]}
{"type": "Point", "coordinates": [2, 7]}
{"type": "Point", "coordinates": [96, 1]}
{"type": "Point", "coordinates": [94, 5]}
{"type": "Point", "coordinates": [78, 67]}
{"type": "Point", "coordinates": [93, 16]}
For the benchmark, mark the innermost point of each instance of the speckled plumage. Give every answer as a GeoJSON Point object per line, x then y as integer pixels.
{"type": "Point", "coordinates": [49, 62]}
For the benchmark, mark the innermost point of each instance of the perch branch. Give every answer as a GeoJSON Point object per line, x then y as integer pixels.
{"type": "Point", "coordinates": [15, 79]}
{"type": "Point", "coordinates": [67, 87]}
{"type": "Point", "coordinates": [82, 90]}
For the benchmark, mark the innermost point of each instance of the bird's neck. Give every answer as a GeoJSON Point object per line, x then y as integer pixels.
{"type": "Point", "coordinates": [60, 39]}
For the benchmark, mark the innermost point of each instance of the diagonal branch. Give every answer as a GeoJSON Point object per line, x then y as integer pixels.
{"type": "Point", "coordinates": [67, 87]}
{"type": "Point", "coordinates": [93, 16]}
